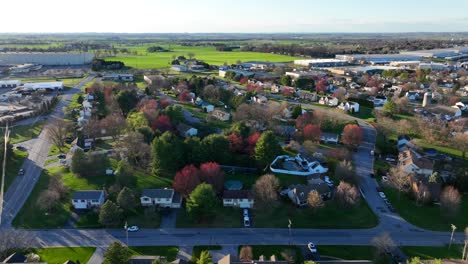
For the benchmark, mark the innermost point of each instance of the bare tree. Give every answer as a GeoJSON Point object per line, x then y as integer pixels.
{"type": "Point", "coordinates": [12, 240]}
{"type": "Point", "coordinates": [135, 148]}
{"type": "Point", "coordinates": [49, 198]}
{"type": "Point", "coordinates": [383, 243]}
{"type": "Point", "coordinates": [344, 171]}
{"type": "Point", "coordinates": [113, 125]}
{"type": "Point", "coordinates": [266, 188]}
{"type": "Point", "coordinates": [246, 253]}
{"type": "Point", "coordinates": [58, 131]}
{"type": "Point", "coordinates": [92, 129]}
{"type": "Point", "coordinates": [347, 194]}
{"type": "Point", "coordinates": [314, 199]}
{"type": "Point", "coordinates": [398, 179]}
{"type": "Point", "coordinates": [460, 141]}
{"type": "Point", "coordinates": [211, 92]}
{"type": "Point", "coordinates": [422, 193]}
{"type": "Point", "coordinates": [450, 200]}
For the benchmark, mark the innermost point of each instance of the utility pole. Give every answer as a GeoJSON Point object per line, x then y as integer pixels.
{"type": "Point", "coordinates": [2, 187]}
{"type": "Point", "coordinates": [126, 231]}
{"type": "Point", "coordinates": [451, 236]}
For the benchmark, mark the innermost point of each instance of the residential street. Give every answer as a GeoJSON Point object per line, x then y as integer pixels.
{"type": "Point", "coordinates": [22, 186]}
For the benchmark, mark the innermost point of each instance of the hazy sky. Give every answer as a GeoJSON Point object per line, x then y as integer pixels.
{"type": "Point", "coordinates": [250, 16]}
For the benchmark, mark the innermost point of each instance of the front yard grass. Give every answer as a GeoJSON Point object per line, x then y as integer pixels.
{"type": "Point", "coordinates": [347, 252]}
{"type": "Point", "coordinates": [23, 133]}
{"type": "Point", "coordinates": [170, 252]}
{"type": "Point", "coordinates": [225, 217]}
{"type": "Point", "coordinates": [427, 216]}
{"type": "Point", "coordinates": [61, 254]}
{"type": "Point", "coordinates": [455, 252]}
{"type": "Point", "coordinates": [365, 113]}
{"type": "Point", "coordinates": [54, 150]}
{"type": "Point", "coordinates": [13, 165]}
{"type": "Point", "coordinates": [442, 149]}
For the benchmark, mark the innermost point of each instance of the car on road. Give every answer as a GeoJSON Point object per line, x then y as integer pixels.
{"type": "Point", "coordinates": [63, 161]}
{"type": "Point", "coordinates": [312, 248]}
{"type": "Point", "coordinates": [21, 148]}
{"type": "Point", "coordinates": [246, 221]}
{"type": "Point", "coordinates": [245, 212]}
{"type": "Point", "coordinates": [390, 159]}
{"type": "Point", "coordinates": [61, 156]}
{"type": "Point", "coordinates": [382, 194]}
{"type": "Point", "coordinates": [21, 172]}
{"type": "Point", "coordinates": [133, 228]}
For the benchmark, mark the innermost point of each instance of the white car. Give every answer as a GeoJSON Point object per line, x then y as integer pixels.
{"type": "Point", "coordinates": [328, 181]}
{"type": "Point", "coordinates": [312, 248]}
{"type": "Point", "coordinates": [245, 212]}
{"type": "Point", "coordinates": [246, 221]}
{"type": "Point", "coordinates": [382, 195]}
{"type": "Point", "coordinates": [133, 228]}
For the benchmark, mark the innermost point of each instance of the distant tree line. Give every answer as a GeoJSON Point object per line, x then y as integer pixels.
{"type": "Point", "coordinates": [100, 64]}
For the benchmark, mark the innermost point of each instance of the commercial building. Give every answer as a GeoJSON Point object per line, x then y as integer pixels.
{"type": "Point", "coordinates": [118, 77]}
{"type": "Point", "coordinates": [321, 63]}
{"type": "Point", "coordinates": [23, 68]}
{"type": "Point", "coordinates": [46, 58]}
{"type": "Point", "coordinates": [439, 53]}
{"type": "Point", "coordinates": [305, 74]}
{"type": "Point", "coordinates": [44, 86]}
{"type": "Point", "coordinates": [9, 83]}
{"type": "Point", "coordinates": [377, 58]}
{"type": "Point", "coordinates": [434, 66]}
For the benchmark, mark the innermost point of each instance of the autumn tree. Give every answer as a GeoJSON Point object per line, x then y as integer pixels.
{"type": "Point", "coordinates": [314, 200]}
{"type": "Point", "coordinates": [186, 180]}
{"type": "Point", "coordinates": [202, 202]}
{"type": "Point", "coordinates": [113, 125]}
{"type": "Point", "coordinates": [460, 141]}
{"type": "Point", "coordinates": [311, 132]}
{"type": "Point", "coordinates": [252, 142]}
{"type": "Point", "coordinates": [347, 194]}
{"type": "Point", "coordinates": [246, 253]}
{"type": "Point", "coordinates": [236, 143]}
{"type": "Point", "coordinates": [211, 173]}
{"type": "Point", "coordinates": [266, 188]}
{"type": "Point", "coordinates": [58, 131]}
{"type": "Point", "coordinates": [352, 135]}
{"type": "Point", "coordinates": [450, 200]}
{"type": "Point", "coordinates": [162, 124]}
{"type": "Point", "coordinates": [184, 96]}
{"type": "Point", "coordinates": [267, 149]}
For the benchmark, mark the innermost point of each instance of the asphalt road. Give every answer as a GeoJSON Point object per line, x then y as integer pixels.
{"type": "Point", "coordinates": [19, 190]}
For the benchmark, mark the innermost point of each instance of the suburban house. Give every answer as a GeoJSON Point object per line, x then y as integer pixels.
{"type": "Point", "coordinates": [328, 100]}
{"type": "Point", "coordinates": [207, 107]}
{"type": "Point", "coordinates": [297, 165]}
{"type": "Point", "coordinates": [197, 101]}
{"type": "Point", "coordinates": [411, 162]}
{"type": "Point", "coordinates": [229, 259]}
{"type": "Point", "coordinates": [88, 199]}
{"type": "Point", "coordinates": [238, 198]}
{"type": "Point", "coordinates": [298, 193]}
{"type": "Point", "coordinates": [118, 77]}
{"type": "Point", "coordinates": [412, 96]}
{"type": "Point", "coordinates": [352, 107]}
{"type": "Point", "coordinates": [259, 99]}
{"type": "Point", "coordinates": [446, 112]}
{"type": "Point", "coordinates": [186, 130]}
{"type": "Point", "coordinates": [306, 95]}
{"type": "Point", "coordinates": [166, 198]}
{"type": "Point", "coordinates": [404, 142]}
{"type": "Point", "coordinates": [221, 115]}
{"type": "Point", "coordinates": [329, 137]}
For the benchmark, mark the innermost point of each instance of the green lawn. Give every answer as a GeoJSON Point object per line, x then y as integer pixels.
{"type": "Point", "coordinates": [277, 250]}
{"type": "Point", "coordinates": [247, 179]}
{"type": "Point", "coordinates": [365, 113]}
{"type": "Point", "coordinates": [210, 55]}
{"type": "Point", "coordinates": [54, 150]}
{"type": "Point", "coordinates": [50, 161]}
{"type": "Point", "coordinates": [347, 252]}
{"type": "Point", "coordinates": [13, 166]}
{"type": "Point", "coordinates": [455, 252]}
{"type": "Point", "coordinates": [170, 252]}
{"type": "Point", "coordinates": [62, 254]}
{"type": "Point", "coordinates": [442, 149]}
{"type": "Point", "coordinates": [23, 133]}
{"type": "Point", "coordinates": [225, 217]}
{"type": "Point", "coordinates": [428, 216]}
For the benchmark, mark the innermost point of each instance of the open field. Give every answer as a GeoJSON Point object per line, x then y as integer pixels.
{"type": "Point", "coordinates": [210, 55]}
{"type": "Point", "coordinates": [60, 255]}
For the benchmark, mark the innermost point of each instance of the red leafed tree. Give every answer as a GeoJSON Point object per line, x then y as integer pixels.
{"type": "Point", "coordinates": [184, 96]}
{"type": "Point", "coordinates": [162, 123]}
{"type": "Point", "coordinates": [186, 180]}
{"type": "Point", "coordinates": [311, 132]}
{"type": "Point", "coordinates": [211, 173]}
{"type": "Point", "coordinates": [287, 92]}
{"type": "Point", "coordinates": [373, 83]}
{"type": "Point", "coordinates": [252, 142]}
{"type": "Point", "coordinates": [147, 104]}
{"type": "Point", "coordinates": [236, 143]}
{"type": "Point", "coordinates": [165, 102]}
{"type": "Point", "coordinates": [321, 86]}
{"type": "Point", "coordinates": [303, 120]}
{"type": "Point", "coordinates": [352, 135]}
{"type": "Point", "coordinates": [243, 81]}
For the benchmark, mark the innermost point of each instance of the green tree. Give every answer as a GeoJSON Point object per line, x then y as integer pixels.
{"type": "Point", "coordinates": [205, 258]}
{"type": "Point", "coordinates": [127, 100]}
{"type": "Point", "coordinates": [267, 149]}
{"type": "Point", "coordinates": [78, 161]}
{"type": "Point", "coordinates": [304, 83]}
{"type": "Point", "coordinates": [166, 144]}
{"type": "Point", "coordinates": [136, 120]}
{"type": "Point", "coordinates": [201, 203]}
{"type": "Point", "coordinates": [175, 113]}
{"type": "Point", "coordinates": [126, 199]}
{"type": "Point", "coordinates": [297, 111]}
{"type": "Point", "coordinates": [286, 80]}
{"type": "Point", "coordinates": [117, 254]}
{"type": "Point", "coordinates": [193, 152]}
{"type": "Point", "coordinates": [109, 214]}
{"type": "Point", "coordinates": [125, 174]}
{"type": "Point", "coordinates": [390, 108]}
{"type": "Point", "coordinates": [215, 148]}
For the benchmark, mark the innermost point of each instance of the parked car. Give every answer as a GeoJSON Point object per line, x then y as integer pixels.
{"type": "Point", "coordinates": [21, 172]}
{"type": "Point", "coordinates": [21, 148]}
{"type": "Point", "coordinates": [133, 228]}
{"type": "Point", "coordinates": [312, 248]}
{"type": "Point", "coordinates": [328, 181]}
{"type": "Point", "coordinates": [382, 194]}
{"type": "Point", "coordinates": [63, 161]}
{"type": "Point", "coordinates": [390, 158]}
{"type": "Point", "coordinates": [245, 212]}
{"type": "Point", "coordinates": [246, 221]}
{"type": "Point", "coordinates": [61, 156]}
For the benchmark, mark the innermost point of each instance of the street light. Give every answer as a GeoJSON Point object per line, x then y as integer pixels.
{"type": "Point", "coordinates": [451, 236]}
{"type": "Point", "coordinates": [126, 231]}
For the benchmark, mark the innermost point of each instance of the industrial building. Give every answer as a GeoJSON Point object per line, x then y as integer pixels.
{"type": "Point", "coordinates": [118, 77]}
{"type": "Point", "coordinates": [378, 58]}
{"type": "Point", "coordinates": [9, 83]}
{"type": "Point", "coordinates": [23, 68]}
{"type": "Point", "coordinates": [43, 86]}
{"type": "Point", "coordinates": [434, 66]}
{"type": "Point", "coordinates": [46, 58]}
{"type": "Point", "coordinates": [305, 74]}
{"type": "Point", "coordinates": [321, 63]}
{"type": "Point", "coordinates": [448, 53]}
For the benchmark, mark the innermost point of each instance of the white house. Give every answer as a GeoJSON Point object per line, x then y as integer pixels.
{"type": "Point", "coordinates": [166, 198]}
{"type": "Point", "coordinates": [352, 107]}
{"type": "Point", "coordinates": [328, 100]}
{"type": "Point", "coordinates": [186, 130]}
{"type": "Point", "coordinates": [259, 99]}
{"type": "Point", "coordinates": [88, 199]}
{"type": "Point", "coordinates": [329, 137]}
{"type": "Point", "coordinates": [411, 162]}
{"type": "Point", "coordinates": [179, 68]}
{"type": "Point", "coordinates": [238, 198]}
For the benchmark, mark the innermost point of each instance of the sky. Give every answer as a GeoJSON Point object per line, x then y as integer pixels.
{"type": "Point", "coordinates": [233, 16]}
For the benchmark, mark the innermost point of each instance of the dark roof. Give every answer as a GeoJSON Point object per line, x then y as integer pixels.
{"type": "Point", "coordinates": [15, 258]}
{"type": "Point", "coordinates": [237, 194]}
{"type": "Point", "coordinates": [158, 193]}
{"type": "Point", "coordinates": [87, 195]}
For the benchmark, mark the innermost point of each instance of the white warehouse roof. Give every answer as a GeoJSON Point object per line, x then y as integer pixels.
{"type": "Point", "coordinates": [43, 85]}
{"type": "Point", "coordinates": [10, 82]}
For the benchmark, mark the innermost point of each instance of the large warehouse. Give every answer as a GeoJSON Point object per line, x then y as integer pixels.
{"type": "Point", "coordinates": [321, 62]}
{"type": "Point", "coordinates": [46, 58]}
{"type": "Point", "coordinates": [378, 58]}
{"type": "Point", "coordinates": [439, 53]}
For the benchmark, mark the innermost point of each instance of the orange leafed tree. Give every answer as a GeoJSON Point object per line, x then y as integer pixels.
{"type": "Point", "coordinates": [352, 135]}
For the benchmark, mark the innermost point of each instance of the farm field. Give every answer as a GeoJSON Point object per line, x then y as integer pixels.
{"type": "Point", "coordinates": [208, 54]}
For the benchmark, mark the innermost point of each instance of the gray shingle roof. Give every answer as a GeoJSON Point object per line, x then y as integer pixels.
{"type": "Point", "coordinates": [87, 195]}
{"type": "Point", "coordinates": [158, 193]}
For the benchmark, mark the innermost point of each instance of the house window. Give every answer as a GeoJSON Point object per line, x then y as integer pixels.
{"type": "Point", "coordinates": [228, 200]}
{"type": "Point", "coordinates": [146, 199]}
{"type": "Point", "coordinates": [76, 201]}
{"type": "Point", "coordinates": [94, 201]}
{"type": "Point", "coordinates": [83, 201]}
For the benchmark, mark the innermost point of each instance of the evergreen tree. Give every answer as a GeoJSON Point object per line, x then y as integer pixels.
{"type": "Point", "coordinates": [117, 254]}
{"type": "Point", "coordinates": [267, 149]}
{"type": "Point", "coordinates": [109, 214]}
{"type": "Point", "coordinates": [201, 203]}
